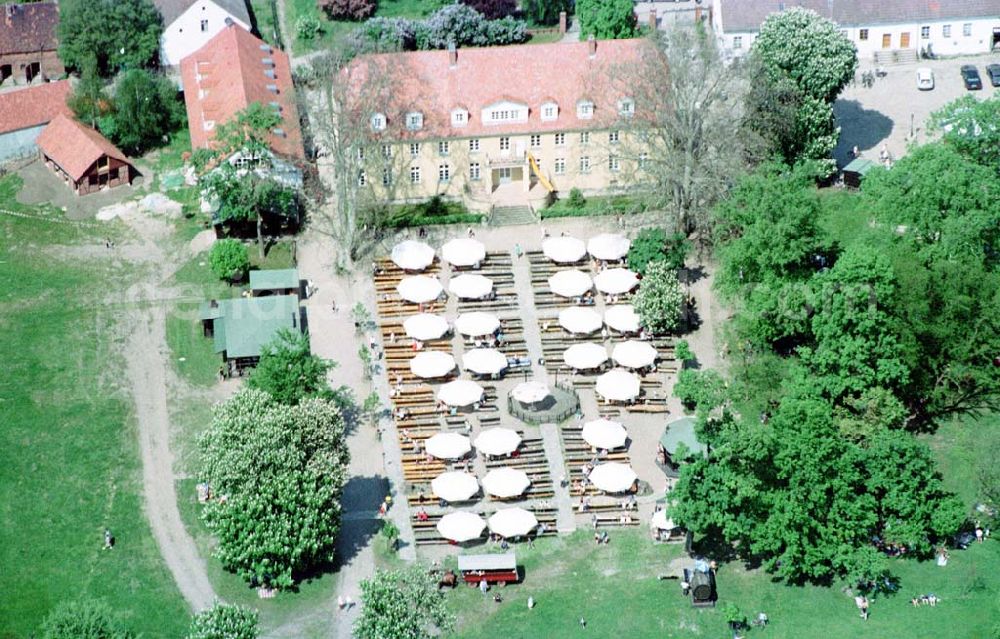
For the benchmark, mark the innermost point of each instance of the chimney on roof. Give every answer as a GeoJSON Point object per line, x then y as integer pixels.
{"type": "Point", "coordinates": [591, 46]}
{"type": "Point", "coordinates": [652, 18]}
{"type": "Point", "coordinates": [452, 55]}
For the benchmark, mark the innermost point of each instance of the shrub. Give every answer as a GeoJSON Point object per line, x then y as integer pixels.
{"type": "Point", "coordinates": [493, 9]}
{"type": "Point", "coordinates": [350, 9]}
{"type": "Point", "coordinates": [86, 619]}
{"type": "Point", "coordinates": [660, 299]}
{"type": "Point", "coordinates": [576, 199]}
{"type": "Point", "coordinates": [606, 19]}
{"type": "Point", "coordinates": [229, 259]}
{"type": "Point", "coordinates": [308, 27]}
{"type": "Point", "coordinates": [699, 389]}
{"type": "Point", "coordinates": [224, 621]}
{"type": "Point", "coordinates": [436, 210]}
{"type": "Point", "coordinates": [457, 23]}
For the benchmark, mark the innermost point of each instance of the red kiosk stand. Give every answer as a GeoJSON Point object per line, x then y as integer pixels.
{"type": "Point", "coordinates": [495, 569]}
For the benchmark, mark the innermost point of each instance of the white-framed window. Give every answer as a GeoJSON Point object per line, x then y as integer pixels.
{"type": "Point", "coordinates": [505, 144]}
{"type": "Point", "coordinates": [613, 137]}
{"type": "Point", "coordinates": [559, 166]}
{"type": "Point", "coordinates": [387, 151]}
{"type": "Point", "coordinates": [585, 164]}
{"type": "Point", "coordinates": [414, 175]}
{"type": "Point", "coordinates": [362, 178]}
{"type": "Point", "coordinates": [444, 172]}
{"type": "Point", "coordinates": [386, 176]}
{"type": "Point", "coordinates": [925, 32]}
{"type": "Point", "coordinates": [378, 122]}
{"type": "Point", "coordinates": [626, 107]}
{"type": "Point", "coordinates": [474, 145]}
{"type": "Point", "coordinates": [501, 112]}
{"type": "Point", "coordinates": [560, 139]}
{"type": "Point", "coordinates": [584, 109]}
{"type": "Point", "coordinates": [443, 147]}
{"type": "Point", "coordinates": [361, 154]}
{"type": "Point", "coordinates": [614, 164]}
{"type": "Point", "coordinates": [585, 137]}
{"type": "Point", "coordinates": [643, 160]}
{"type": "Point", "coordinates": [474, 171]}
{"type": "Point", "coordinates": [204, 25]}
{"type": "Point", "coordinates": [536, 141]}
{"type": "Point", "coordinates": [414, 120]}
{"type": "Point", "coordinates": [414, 149]}
{"type": "Point", "coordinates": [946, 31]}
{"type": "Point", "coordinates": [862, 34]}
{"type": "Point", "coordinates": [459, 117]}
{"type": "Point", "coordinates": [967, 29]}
{"type": "Point", "coordinates": [550, 111]}
{"type": "Point", "coordinates": [737, 42]}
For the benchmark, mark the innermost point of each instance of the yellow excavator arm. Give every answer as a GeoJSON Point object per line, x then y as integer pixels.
{"type": "Point", "coordinates": [538, 173]}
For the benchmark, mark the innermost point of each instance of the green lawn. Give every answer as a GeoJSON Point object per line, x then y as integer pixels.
{"type": "Point", "coordinates": [68, 446]}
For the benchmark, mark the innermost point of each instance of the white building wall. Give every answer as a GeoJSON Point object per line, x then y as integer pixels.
{"type": "Point", "coordinates": [184, 35]}
{"type": "Point", "coordinates": [20, 143]}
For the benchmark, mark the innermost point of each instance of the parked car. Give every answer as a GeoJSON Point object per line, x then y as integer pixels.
{"type": "Point", "coordinates": [993, 70]}
{"type": "Point", "coordinates": [925, 79]}
{"type": "Point", "coordinates": [970, 76]}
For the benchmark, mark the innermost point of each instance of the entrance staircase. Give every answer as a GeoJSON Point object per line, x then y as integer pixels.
{"type": "Point", "coordinates": [896, 56]}
{"type": "Point", "coordinates": [512, 215]}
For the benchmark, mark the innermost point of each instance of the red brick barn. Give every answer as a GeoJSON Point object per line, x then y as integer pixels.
{"type": "Point", "coordinates": [82, 157]}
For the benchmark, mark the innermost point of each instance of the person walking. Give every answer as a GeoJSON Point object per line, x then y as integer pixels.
{"type": "Point", "coordinates": [109, 539]}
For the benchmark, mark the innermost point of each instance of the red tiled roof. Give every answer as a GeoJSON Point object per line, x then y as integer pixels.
{"type": "Point", "coordinates": [27, 28]}
{"type": "Point", "coordinates": [227, 75]}
{"type": "Point", "coordinates": [75, 147]}
{"type": "Point", "coordinates": [740, 16]}
{"type": "Point", "coordinates": [33, 105]}
{"type": "Point", "coordinates": [565, 73]}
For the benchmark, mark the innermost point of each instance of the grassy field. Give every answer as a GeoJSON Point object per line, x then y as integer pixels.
{"type": "Point", "coordinates": [67, 438]}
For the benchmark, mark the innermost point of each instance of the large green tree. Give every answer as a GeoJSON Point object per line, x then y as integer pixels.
{"type": "Point", "coordinates": [224, 621]}
{"type": "Point", "coordinates": [545, 11]}
{"type": "Point", "coordinates": [146, 111]}
{"type": "Point", "coordinates": [971, 127]}
{"type": "Point", "coordinates": [84, 619]}
{"type": "Point", "coordinates": [289, 371]}
{"type": "Point", "coordinates": [808, 61]}
{"type": "Point", "coordinates": [606, 19]}
{"type": "Point", "coordinates": [118, 34]}
{"type": "Point", "coordinates": [278, 472]}
{"type": "Point", "coordinates": [402, 604]}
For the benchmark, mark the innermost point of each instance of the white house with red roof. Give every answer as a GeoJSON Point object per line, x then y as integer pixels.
{"type": "Point", "coordinates": [497, 125]}
{"type": "Point", "coordinates": [229, 73]}
{"type": "Point", "coordinates": [189, 24]}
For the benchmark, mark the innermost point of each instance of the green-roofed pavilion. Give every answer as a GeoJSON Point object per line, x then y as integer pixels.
{"type": "Point", "coordinates": [679, 432]}
{"type": "Point", "coordinates": [282, 281]}
{"type": "Point", "coordinates": [240, 327]}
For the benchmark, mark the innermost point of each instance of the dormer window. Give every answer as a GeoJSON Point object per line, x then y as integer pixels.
{"type": "Point", "coordinates": [414, 120]}
{"type": "Point", "coordinates": [459, 117]}
{"type": "Point", "coordinates": [626, 107]}
{"type": "Point", "coordinates": [504, 112]}
{"type": "Point", "coordinates": [584, 109]}
{"type": "Point", "coordinates": [378, 122]}
{"type": "Point", "coordinates": [550, 111]}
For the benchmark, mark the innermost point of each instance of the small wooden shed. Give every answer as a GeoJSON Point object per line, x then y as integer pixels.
{"type": "Point", "coordinates": [855, 172]}
{"type": "Point", "coordinates": [241, 327]}
{"type": "Point", "coordinates": [82, 157]}
{"type": "Point", "coordinates": [493, 568]}
{"type": "Point", "coordinates": [284, 281]}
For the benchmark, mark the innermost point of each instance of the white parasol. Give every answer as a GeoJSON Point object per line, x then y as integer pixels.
{"type": "Point", "coordinates": [470, 286]}
{"type": "Point", "coordinates": [530, 392]}
{"type": "Point", "coordinates": [448, 446]}
{"type": "Point", "coordinates": [460, 392]}
{"type": "Point", "coordinates": [425, 326]}
{"type": "Point", "coordinates": [463, 251]}
{"type": "Point", "coordinates": [564, 250]}
{"type": "Point", "coordinates": [570, 283]}
{"type": "Point", "coordinates": [617, 385]}
{"type": "Point", "coordinates": [454, 486]}
{"type": "Point", "coordinates": [461, 526]}
{"type": "Point", "coordinates": [608, 246]}
{"type": "Point", "coordinates": [612, 477]}
{"type": "Point", "coordinates": [661, 522]}
{"type": "Point", "coordinates": [616, 281]}
{"type": "Point", "coordinates": [484, 361]}
{"type": "Point", "coordinates": [584, 356]}
{"type": "Point", "coordinates": [604, 433]}
{"type": "Point", "coordinates": [430, 364]}
{"type": "Point", "coordinates": [419, 289]}
{"type": "Point", "coordinates": [498, 441]}
{"type": "Point", "coordinates": [512, 522]}
{"type": "Point", "coordinates": [477, 323]}
{"type": "Point", "coordinates": [622, 317]}
{"type": "Point", "coordinates": [505, 482]}
{"type": "Point", "coordinates": [412, 255]}
{"type": "Point", "coordinates": [634, 354]}
{"type": "Point", "coordinates": [577, 319]}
